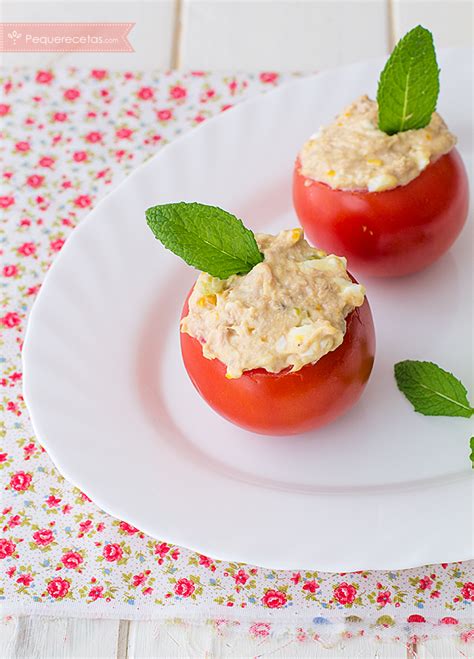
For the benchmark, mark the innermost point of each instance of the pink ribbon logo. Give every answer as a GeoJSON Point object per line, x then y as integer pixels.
{"type": "Point", "coordinates": [65, 37]}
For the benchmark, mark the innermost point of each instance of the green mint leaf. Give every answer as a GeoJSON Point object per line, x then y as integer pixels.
{"type": "Point", "coordinates": [206, 237]}
{"type": "Point", "coordinates": [431, 390]}
{"type": "Point", "coordinates": [471, 445]}
{"type": "Point", "coordinates": [409, 84]}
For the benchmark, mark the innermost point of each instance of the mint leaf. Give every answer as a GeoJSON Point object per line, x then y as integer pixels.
{"type": "Point", "coordinates": [431, 390]}
{"type": "Point", "coordinates": [409, 84]}
{"type": "Point", "coordinates": [206, 237]}
{"type": "Point", "coordinates": [471, 445]}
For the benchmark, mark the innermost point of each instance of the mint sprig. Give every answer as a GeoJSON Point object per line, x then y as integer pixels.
{"type": "Point", "coordinates": [409, 84]}
{"type": "Point", "coordinates": [431, 390]}
{"type": "Point", "coordinates": [471, 446]}
{"type": "Point", "coordinates": [206, 237]}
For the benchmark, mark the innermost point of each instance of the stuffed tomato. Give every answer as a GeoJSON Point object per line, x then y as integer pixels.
{"type": "Point", "coordinates": [383, 184]}
{"type": "Point", "coordinates": [284, 349]}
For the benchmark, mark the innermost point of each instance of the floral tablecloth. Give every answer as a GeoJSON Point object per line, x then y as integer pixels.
{"type": "Point", "coordinates": [69, 136]}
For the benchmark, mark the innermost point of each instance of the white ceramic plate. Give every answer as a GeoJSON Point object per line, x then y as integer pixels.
{"type": "Point", "coordinates": [382, 487]}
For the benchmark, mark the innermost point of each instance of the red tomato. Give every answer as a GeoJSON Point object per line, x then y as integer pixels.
{"type": "Point", "coordinates": [390, 233]}
{"type": "Point", "coordinates": [288, 403]}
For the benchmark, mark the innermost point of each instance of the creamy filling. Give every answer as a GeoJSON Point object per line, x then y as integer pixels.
{"type": "Point", "coordinates": [288, 311]}
{"type": "Point", "coordinates": [353, 154]}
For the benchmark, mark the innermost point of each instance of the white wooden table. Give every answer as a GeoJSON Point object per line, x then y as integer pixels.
{"type": "Point", "coordinates": [45, 638]}
{"type": "Point", "coordinates": [246, 35]}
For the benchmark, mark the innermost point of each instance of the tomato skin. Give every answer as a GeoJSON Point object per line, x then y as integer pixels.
{"type": "Point", "coordinates": [390, 233]}
{"type": "Point", "coordinates": [288, 403]}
